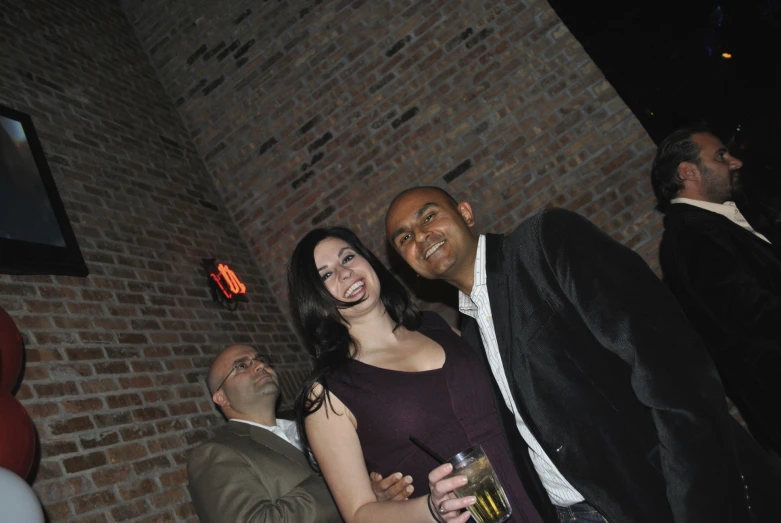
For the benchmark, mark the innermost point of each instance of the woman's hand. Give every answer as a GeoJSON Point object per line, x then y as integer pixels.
{"type": "Point", "coordinates": [443, 501]}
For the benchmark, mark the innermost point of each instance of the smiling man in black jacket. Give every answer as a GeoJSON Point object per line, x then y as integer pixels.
{"type": "Point", "coordinates": [615, 408]}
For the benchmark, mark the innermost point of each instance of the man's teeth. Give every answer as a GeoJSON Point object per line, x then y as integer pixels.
{"type": "Point", "coordinates": [353, 288]}
{"type": "Point", "coordinates": [433, 249]}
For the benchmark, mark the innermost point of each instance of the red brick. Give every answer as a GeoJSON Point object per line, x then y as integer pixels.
{"type": "Point", "coordinates": [185, 511]}
{"type": "Point", "coordinates": [93, 518]}
{"type": "Point", "coordinates": [154, 396]}
{"type": "Point", "coordinates": [192, 391]}
{"type": "Point", "coordinates": [71, 425]}
{"type": "Point", "coordinates": [89, 309]}
{"type": "Point", "coordinates": [41, 410]}
{"type": "Point", "coordinates": [54, 448]}
{"type": "Point", "coordinates": [165, 444]}
{"type": "Point", "coordinates": [48, 470]}
{"type": "Point", "coordinates": [166, 380]}
{"type": "Point", "coordinates": [149, 413]}
{"type": "Point", "coordinates": [157, 352]}
{"type": "Point", "coordinates": [32, 322]}
{"type": "Point", "coordinates": [131, 452]}
{"type": "Point", "coordinates": [111, 476]}
{"type": "Point", "coordinates": [184, 408]}
{"type": "Point", "coordinates": [98, 386]}
{"type": "Point", "coordinates": [75, 370]}
{"type": "Point", "coordinates": [110, 420]}
{"type": "Point", "coordinates": [178, 477]}
{"type": "Point", "coordinates": [53, 338]}
{"type": "Point", "coordinates": [132, 338]}
{"type": "Point", "coordinates": [58, 490]}
{"type": "Point", "coordinates": [84, 462]}
{"type": "Point", "coordinates": [99, 440]}
{"type": "Point", "coordinates": [85, 354]}
{"type": "Point", "coordinates": [137, 432]}
{"type": "Point", "coordinates": [94, 295]}
{"type": "Point", "coordinates": [136, 382]}
{"type": "Point", "coordinates": [44, 307]}
{"type": "Point", "coordinates": [94, 501]}
{"type": "Point", "coordinates": [69, 322]}
{"type": "Point", "coordinates": [42, 355]}
{"type": "Point", "coordinates": [58, 511]}
{"type": "Point", "coordinates": [161, 517]}
{"type": "Point", "coordinates": [96, 337]}
{"type": "Point", "coordinates": [146, 366]}
{"type": "Point", "coordinates": [112, 367]}
{"type": "Point", "coordinates": [137, 489]}
{"type": "Point", "coordinates": [110, 323]}
{"type": "Point", "coordinates": [129, 510]}
{"type": "Point", "coordinates": [36, 373]}
{"type": "Point", "coordinates": [155, 463]}
{"type": "Point", "coordinates": [80, 406]}
{"type": "Point", "coordinates": [168, 498]}
{"type": "Point", "coordinates": [123, 401]}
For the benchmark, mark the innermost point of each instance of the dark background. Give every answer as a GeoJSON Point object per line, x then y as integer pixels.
{"type": "Point", "coordinates": [665, 60]}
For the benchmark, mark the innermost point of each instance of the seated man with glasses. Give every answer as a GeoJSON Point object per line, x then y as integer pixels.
{"type": "Point", "coordinates": [254, 468]}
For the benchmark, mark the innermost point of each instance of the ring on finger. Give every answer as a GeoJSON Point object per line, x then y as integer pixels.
{"type": "Point", "coordinates": [442, 509]}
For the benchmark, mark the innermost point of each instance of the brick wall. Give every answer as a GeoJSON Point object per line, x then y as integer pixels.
{"type": "Point", "coordinates": [318, 112]}
{"type": "Point", "coordinates": [304, 113]}
{"type": "Point", "coordinates": [115, 362]}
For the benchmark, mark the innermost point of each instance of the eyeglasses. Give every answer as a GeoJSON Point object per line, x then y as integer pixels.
{"type": "Point", "coordinates": [246, 364]}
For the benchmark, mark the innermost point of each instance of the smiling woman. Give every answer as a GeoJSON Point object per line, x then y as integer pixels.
{"type": "Point", "coordinates": [347, 275]}
{"type": "Point", "coordinates": [385, 372]}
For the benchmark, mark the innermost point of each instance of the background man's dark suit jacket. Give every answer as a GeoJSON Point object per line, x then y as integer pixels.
{"type": "Point", "coordinates": [610, 377]}
{"type": "Point", "coordinates": [247, 473]}
{"type": "Point", "coordinates": [729, 283]}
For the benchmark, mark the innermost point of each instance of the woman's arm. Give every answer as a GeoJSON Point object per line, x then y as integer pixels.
{"type": "Point", "coordinates": [334, 440]}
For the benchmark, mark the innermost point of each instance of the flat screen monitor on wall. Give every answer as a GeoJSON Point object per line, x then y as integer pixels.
{"type": "Point", "coordinates": [35, 234]}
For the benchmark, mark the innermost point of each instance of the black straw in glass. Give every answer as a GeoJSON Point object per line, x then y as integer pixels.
{"type": "Point", "coordinates": [427, 450]}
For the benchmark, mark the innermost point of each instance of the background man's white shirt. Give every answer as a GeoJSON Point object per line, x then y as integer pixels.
{"type": "Point", "coordinates": [284, 428]}
{"type": "Point", "coordinates": [727, 209]}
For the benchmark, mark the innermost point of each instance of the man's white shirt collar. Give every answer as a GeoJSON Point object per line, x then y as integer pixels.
{"type": "Point", "coordinates": [466, 304]}
{"type": "Point", "coordinates": [284, 428]}
{"type": "Point", "coordinates": [727, 209]}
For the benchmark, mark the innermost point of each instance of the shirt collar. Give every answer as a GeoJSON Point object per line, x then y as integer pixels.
{"type": "Point", "coordinates": [466, 304]}
{"type": "Point", "coordinates": [284, 428]}
{"type": "Point", "coordinates": [728, 209]}
{"type": "Point", "coordinates": [282, 424]}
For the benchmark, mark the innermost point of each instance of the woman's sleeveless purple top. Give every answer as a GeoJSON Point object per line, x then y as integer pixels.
{"type": "Point", "coordinates": [449, 409]}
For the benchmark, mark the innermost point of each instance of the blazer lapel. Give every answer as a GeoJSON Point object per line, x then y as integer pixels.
{"type": "Point", "coordinates": [500, 310]}
{"type": "Point", "coordinates": [497, 295]}
{"type": "Point", "coordinates": [270, 440]}
{"type": "Point", "coordinates": [499, 289]}
{"type": "Point", "coordinates": [677, 213]}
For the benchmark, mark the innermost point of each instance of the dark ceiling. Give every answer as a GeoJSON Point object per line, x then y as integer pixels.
{"type": "Point", "coordinates": [667, 61]}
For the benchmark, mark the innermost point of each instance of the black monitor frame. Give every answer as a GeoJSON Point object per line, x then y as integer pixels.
{"type": "Point", "coordinates": [24, 257]}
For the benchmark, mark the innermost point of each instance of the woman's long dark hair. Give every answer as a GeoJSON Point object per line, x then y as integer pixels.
{"type": "Point", "coordinates": [318, 320]}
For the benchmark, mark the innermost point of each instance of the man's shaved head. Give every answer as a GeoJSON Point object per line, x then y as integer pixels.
{"type": "Point", "coordinates": [405, 192]}
{"type": "Point", "coordinates": [433, 233]}
{"type": "Point", "coordinates": [222, 365]}
{"type": "Point", "coordinates": [243, 384]}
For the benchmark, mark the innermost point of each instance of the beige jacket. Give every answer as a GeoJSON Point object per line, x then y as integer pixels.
{"type": "Point", "coordinates": [247, 474]}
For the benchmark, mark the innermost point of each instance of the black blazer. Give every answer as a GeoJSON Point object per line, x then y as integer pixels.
{"type": "Point", "coordinates": [729, 283]}
{"type": "Point", "coordinates": [612, 380]}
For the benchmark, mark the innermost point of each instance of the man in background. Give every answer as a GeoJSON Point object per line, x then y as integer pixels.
{"type": "Point", "coordinates": [254, 468]}
{"type": "Point", "coordinates": [724, 270]}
